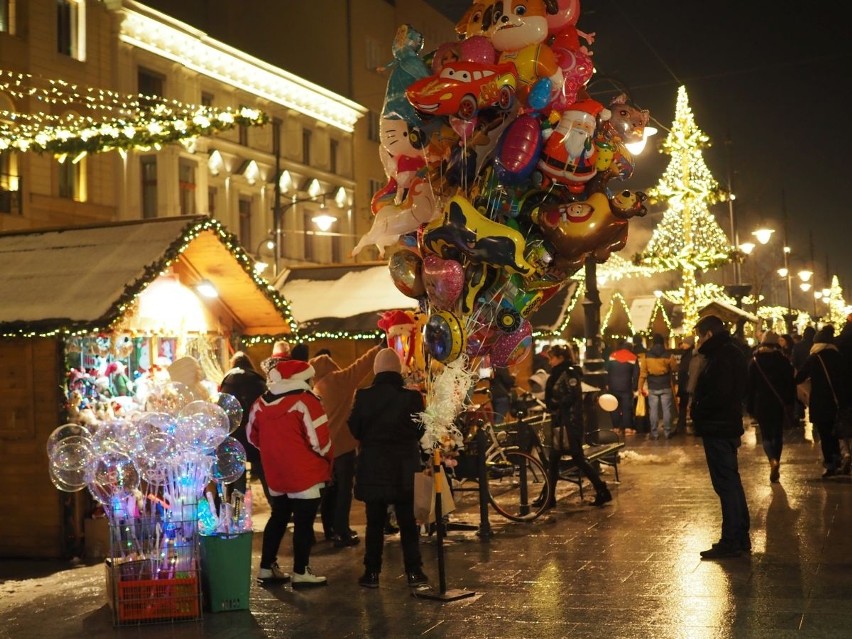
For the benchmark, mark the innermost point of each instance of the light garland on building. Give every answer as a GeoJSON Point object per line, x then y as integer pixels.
{"type": "Point", "coordinates": [579, 291]}
{"type": "Point", "coordinates": [617, 298]}
{"type": "Point", "coordinates": [688, 238]}
{"type": "Point", "coordinates": [99, 120]}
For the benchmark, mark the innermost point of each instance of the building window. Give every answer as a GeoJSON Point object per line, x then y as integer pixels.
{"type": "Point", "coordinates": [376, 186]}
{"type": "Point", "coordinates": [373, 124]}
{"type": "Point", "coordinates": [72, 179]}
{"type": "Point", "coordinates": [206, 99]}
{"type": "Point", "coordinates": [7, 16]}
{"type": "Point", "coordinates": [71, 28]}
{"type": "Point", "coordinates": [212, 195]}
{"type": "Point", "coordinates": [10, 189]}
{"type": "Point", "coordinates": [186, 185]}
{"type": "Point", "coordinates": [245, 221]}
{"type": "Point", "coordinates": [148, 170]}
{"type": "Point", "coordinates": [307, 135]}
{"type": "Point", "coordinates": [150, 86]}
{"type": "Point", "coordinates": [333, 150]}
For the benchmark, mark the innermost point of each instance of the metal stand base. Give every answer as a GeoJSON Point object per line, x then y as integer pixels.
{"type": "Point", "coordinates": [449, 595]}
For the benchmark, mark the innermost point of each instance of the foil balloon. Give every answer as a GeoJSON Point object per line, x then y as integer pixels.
{"type": "Point", "coordinates": [443, 280]}
{"type": "Point", "coordinates": [518, 150]}
{"type": "Point", "coordinates": [445, 337]}
{"type": "Point", "coordinates": [406, 272]}
{"type": "Point", "coordinates": [512, 348]}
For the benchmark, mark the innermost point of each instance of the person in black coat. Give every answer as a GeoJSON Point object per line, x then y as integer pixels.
{"type": "Point", "coordinates": [246, 384]}
{"type": "Point", "coordinates": [770, 399]}
{"type": "Point", "coordinates": [717, 417]}
{"type": "Point", "coordinates": [384, 421]}
{"type": "Point", "coordinates": [687, 345]}
{"type": "Point", "coordinates": [827, 372]}
{"type": "Point", "coordinates": [563, 396]}
{"type": "Point", "coordinates": [501, 384]}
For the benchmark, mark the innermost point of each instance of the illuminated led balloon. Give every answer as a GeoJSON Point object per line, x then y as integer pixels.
{"type": "Point", "coordinates": [69, 481]}
{"type": "Point", "coordinates": [169, 397]}
{"type": "Point", "coordinates": [233, 409]}
{"type": "Point", "coordinates": [113, 476]}
{"type": "Point", "coordinates": [229, 461]}
{"type": "Point", "coordinates": [65, 431]}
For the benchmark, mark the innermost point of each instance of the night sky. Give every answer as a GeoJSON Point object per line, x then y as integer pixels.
{"type": "Point", "coordinates": [769, 76]}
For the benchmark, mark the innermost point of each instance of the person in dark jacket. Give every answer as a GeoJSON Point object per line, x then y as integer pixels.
{"type": "Point", "coordinates": [384, 421]}
{"type": "Point", "coordinates": [826, 370]}
{"type": "Point", "coordinates": [801, 352]}
{"type": "Point", "coordinates": [501, 384]}
{"type": "Point", "coordinates": [717, 416]}
{"type": "Point", "coordinates": [770, 399]}
{"type": "Point", "coordinates": [563, 396]}
{"type": "Point", "coordinates": [246, 385]}
{"type": "Point", "coordinates": [622, 369]}
{"type": "Point", "coordinates": [687, 345]}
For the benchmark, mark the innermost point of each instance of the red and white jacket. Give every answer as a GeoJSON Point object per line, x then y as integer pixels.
{"type": "Point", "coordinates": [290, 428]}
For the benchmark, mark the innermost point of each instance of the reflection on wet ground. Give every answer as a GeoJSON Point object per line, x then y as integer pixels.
{"type": "Point", "coordinates": [630, 569]}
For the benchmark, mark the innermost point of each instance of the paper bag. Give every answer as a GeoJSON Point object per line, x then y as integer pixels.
{"type": "Point", "coordinates": [640, 406]}
{"type": "Point", "coordinates": [424, 497]}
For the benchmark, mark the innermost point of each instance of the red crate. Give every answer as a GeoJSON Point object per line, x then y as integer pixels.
{"type": "Point", "coordinates": [154, 600]}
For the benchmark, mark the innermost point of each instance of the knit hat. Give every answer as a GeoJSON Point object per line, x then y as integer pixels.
{"type": "Point", "coordinates": [290, 369]}
{"type": "Point", "coordinates": [825, 335]}
{"type": "Point", "coordinates": [387, 360]}
{"type": "Point", "coordinates": [769, 338]}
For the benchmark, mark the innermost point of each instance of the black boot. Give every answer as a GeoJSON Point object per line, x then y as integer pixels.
{"type": "Point", "coordinates": [603, 496]}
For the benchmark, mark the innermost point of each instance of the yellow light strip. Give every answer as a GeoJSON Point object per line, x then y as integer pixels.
{"type": "Point", "coordinates": [195, 50]}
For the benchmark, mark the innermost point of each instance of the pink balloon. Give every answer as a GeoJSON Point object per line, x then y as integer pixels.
{"type": "Point", "coordinates": [512, 348]}
{"type": "Point", "coordinates": [567, 14]}
{"type": "Point", "coordinates": [477, 49]}
{"type": "Point", "coordinates": [444, 280]}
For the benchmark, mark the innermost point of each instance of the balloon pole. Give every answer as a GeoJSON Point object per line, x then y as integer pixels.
{"type": "Point", "coordinates": [443, 594]}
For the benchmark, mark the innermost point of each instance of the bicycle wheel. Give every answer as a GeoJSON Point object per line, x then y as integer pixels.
{"type": "Point", "coordinates": [518, 486]}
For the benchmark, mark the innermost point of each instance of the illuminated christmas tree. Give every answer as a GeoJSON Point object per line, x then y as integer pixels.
{"type": "Point", "coordinates": [836, 304]}
{"type": "Point", "coordinates": [688, 238]}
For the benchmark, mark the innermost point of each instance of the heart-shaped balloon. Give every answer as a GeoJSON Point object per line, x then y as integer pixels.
{"type": "Point", "coordinates": [444, 280]}
{"type": "Point", "coordinates": [405, 270]}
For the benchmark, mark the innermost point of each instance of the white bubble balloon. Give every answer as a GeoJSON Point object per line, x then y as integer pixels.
{"type": "Point", "coordinates": [114, 475]}
{"type": "Point", "coordinates": [608, 402]}
{"type": "Point", "coordinates": [69, 481]}
{"type": "Point", "coordinates": [169, 397]}
{"type": "Point", "coordinates": [72, 454]}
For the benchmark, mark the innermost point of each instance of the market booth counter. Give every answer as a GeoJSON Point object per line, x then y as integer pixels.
{"type": "Point", "coordinates": [89, 314]}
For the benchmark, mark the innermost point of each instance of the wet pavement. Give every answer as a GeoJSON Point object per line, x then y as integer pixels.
{"type": "Point", "coordinates": [630, 569]}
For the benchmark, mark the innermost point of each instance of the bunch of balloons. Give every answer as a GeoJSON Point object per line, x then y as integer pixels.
{"type": "Point", "coordinates": [499, 166]}
{"type": "Point", "coordinates": [166, 454]}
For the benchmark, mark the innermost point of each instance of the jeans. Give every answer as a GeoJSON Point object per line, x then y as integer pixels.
{"type": "Point", "coordinates": [303, 512]}
{"type": "Point", "coordinates": [622, 417]}
{"type": "Point", "coordinates": [337, 498]}
{"type": "Point", "coordinates": [721, 454]}
{"type": "Point", "coordinates": [377, 514]}
{"type": "Point", "coordinates": [657, 398]}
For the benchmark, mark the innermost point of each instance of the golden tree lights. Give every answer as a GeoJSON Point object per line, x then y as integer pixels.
{"type": "Point", "coordinates": [688, 238]}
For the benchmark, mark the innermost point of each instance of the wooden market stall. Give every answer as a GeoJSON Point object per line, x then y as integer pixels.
{"type": "Point", "coordinates": [79, 297]}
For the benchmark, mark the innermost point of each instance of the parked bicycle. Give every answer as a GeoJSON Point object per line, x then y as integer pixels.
{"type": "Point", "coordinates": [517, 483]}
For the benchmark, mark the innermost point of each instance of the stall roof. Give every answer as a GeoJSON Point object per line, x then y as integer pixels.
{"type": "Point", "coordinates": [726, 312]}
{"type": "Point", "coordinates": [82, 279]}
{"type": "Point", "coordinates": [552, 317]}
{"type": "Point", "coordinates": [341, 298]}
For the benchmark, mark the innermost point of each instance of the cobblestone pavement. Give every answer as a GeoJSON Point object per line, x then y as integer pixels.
{"type": "Point", "coordinates": [630, 569]}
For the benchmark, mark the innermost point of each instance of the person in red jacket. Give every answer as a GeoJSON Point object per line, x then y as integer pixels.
{"type": "Point", "coordinates": [290, 428]}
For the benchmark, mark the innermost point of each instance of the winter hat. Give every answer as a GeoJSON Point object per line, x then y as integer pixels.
{"type": "Point", "coordinates": [290, 370]}
{"type": "Point", "coordinates": [300, 351]}
{"type": "Point", "coordinates": [769, 338]}
{"type": "Point", "coordinates": [387, 360]}
{"type": "Point", "coordinates": [281, 349]}
{"type": "Point", "coordinates": [825, 335]}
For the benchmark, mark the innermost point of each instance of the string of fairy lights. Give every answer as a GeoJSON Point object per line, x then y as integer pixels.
{"type": "Point", "coordinates": [94, 120]}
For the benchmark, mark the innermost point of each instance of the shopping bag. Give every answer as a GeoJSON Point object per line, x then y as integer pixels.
{"type": "Point", "coordinates": [640, 405]}
{"type": "Point", "coordinates": [424, 497]}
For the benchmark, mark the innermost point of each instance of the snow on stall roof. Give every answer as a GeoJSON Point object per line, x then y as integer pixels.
{"type": "Point", "coordinates": [77, 273]}
{"type": "Point", "coordinates": [364, 291]}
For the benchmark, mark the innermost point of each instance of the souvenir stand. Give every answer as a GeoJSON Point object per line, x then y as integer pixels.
{"type": "Point", "coordinates": [93, 320]}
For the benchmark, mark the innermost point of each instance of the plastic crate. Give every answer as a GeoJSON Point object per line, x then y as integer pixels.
{"type": "Point", "coordinates": [226, 571]}
{"type": "Point", "coordinates": [138, 601]}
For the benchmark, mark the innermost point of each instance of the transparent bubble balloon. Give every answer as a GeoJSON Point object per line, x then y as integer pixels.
{"type": "Point", "coordinates": [152, 471]}
{"type": "Point", "coordinates": [214, 421]}
{"type": "Point", "coordinates": [64, 431]}
{"type": "Point", "coordinates": [233, 409]}
{"type": "Point", "coordinates": [113, 475]}
{"type": "Point", "coordinates": [69, 481]}
{"type": "Point", "coordinates": [169, 397]}
{"type": "Point", "coordinates": [111, 436]}
{"type": "Point", "coordinates": [72, 454]}
{"type": "Point", "coordinates": [229, 461]}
